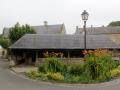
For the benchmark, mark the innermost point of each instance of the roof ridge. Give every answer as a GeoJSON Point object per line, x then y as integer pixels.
{"type": "Point", "coordinates": [47, 25]}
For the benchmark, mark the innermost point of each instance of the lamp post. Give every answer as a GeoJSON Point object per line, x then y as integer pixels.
{"type": "Point", "coordinates": [84, 18]}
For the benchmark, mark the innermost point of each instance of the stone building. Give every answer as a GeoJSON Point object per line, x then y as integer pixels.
{"type": "Point", "coordinates": [31, 47]}
{"type": "Point", "coordinates": [43, 29]}
{"type": "Point", "coordinates": [53, 38]}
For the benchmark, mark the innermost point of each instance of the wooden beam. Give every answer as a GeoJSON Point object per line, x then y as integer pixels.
{"type": "Point", "coordinates": [68, 54]}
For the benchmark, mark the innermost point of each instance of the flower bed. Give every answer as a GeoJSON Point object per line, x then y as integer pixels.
{"type": "Point", "coordinates": [98, 66]}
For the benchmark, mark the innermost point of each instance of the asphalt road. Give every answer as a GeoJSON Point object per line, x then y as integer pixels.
{"type": "Point", "coordinates": [10, 81]}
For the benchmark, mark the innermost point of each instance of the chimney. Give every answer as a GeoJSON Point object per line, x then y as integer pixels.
{"type": "Point", "coordinates": [45, 23]}
{"type": "Point", "coordinates": [77, 28]}
{"type": "Point", "coordinates": [91, 26]}
{"type": "Point", "coordinates": [103, 26]}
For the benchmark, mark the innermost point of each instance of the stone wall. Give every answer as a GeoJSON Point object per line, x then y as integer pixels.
{"type": "Point", "coordinates": [66, 60]}
{"type": "Point", "coordinates": [12, 60]}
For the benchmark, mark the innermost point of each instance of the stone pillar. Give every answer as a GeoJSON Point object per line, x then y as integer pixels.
{"type": "Point", "coordinates": [12, 62]}
{"type": "Point", "coordinates": [37, 59]}
{"type": "Point", "coordinates": [4, 53]}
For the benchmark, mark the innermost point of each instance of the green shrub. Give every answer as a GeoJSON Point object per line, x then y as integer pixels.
{"type": "Point", "coordinates": [44, 76]}
{"type": "Point", "coordinates": [55, 76]}
{"type": "Point", "coordinates": [74, 79]}
{"type": "Point", "coordinates": [98, 66]}
{"type": "Point", "coordinates": [108, 62]}
{"type": "Point", "coordinates": [118, 67]}
{"type": "Point", "coordinates": [94, 69]}
{"type": "Point", "coordinates": [85, 78]}
{"type": "Point", "coordinates": [34, 74]}
{"type": "Point", "coordinates": [54, 65]}
{"type": "Point", "coordinates": [105, 76]}
{"type": "Point", "coordinates": [115, 72]}
{"type": "Point", "coordinates": [37, 75]}
{"type": "Point", "coordinates": [101, 78]}
{"type": "Point", "coordinates": [75, 69]}
{"type": "Point", "coordinates": [42, 68]}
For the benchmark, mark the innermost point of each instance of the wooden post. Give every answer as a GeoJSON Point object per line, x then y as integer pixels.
{"type": "Point", "coordinates": [68, 56]}
{"type": "Point", "coordinates": [36, 56]}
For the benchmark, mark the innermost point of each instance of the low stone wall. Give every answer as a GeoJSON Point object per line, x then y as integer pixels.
{"type": "Point", "coordinates": [66, 60]}
{"type": "Point", "coordinates": [39, 61]}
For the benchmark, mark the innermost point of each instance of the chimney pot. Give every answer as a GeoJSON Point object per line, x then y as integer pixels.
{"type": "Point", "coordinates": [45, 23]}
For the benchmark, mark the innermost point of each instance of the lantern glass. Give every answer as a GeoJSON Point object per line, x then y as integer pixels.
{"type": "Point", "coordinates": [85, 15]}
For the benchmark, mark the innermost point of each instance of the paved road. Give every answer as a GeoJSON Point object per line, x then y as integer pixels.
{"type": "Point", "coordinates": [10, 81]}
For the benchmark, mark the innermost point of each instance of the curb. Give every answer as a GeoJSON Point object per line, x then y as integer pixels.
{"type": "Point", "coordinates": [4, 60]}
{"type": "Point", "coordinates": [98, 85]}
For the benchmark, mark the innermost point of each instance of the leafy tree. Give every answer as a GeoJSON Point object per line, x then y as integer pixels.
{"type": "Point", "coordinates": [18, 31]}
{"type": "Point", "coordinates": [114, 23]}
{"type": "Point", "coordinates": [4, 42]}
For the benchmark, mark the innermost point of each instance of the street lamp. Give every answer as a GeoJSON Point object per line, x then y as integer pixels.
{"type": "Point", "coordinates": [84, 18]}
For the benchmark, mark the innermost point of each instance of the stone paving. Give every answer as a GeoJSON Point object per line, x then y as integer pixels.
{"type": "Point", "coordinates": [22, 69]}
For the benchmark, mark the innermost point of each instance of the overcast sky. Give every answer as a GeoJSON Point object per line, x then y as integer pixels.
{"type": "Point", "coordinates": [34, 12]}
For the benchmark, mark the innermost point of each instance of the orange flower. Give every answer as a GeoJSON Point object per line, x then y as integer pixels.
{"type": "Point", "coordinates": [85, 52]}
{"type": "Point", "coordinates": [53, 54]}
{"type": "Point", "coordinates": [98, 52]}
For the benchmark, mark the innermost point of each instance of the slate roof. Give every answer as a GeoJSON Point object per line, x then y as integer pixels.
{"type": "Point", "coordinates": [49, 29]}
{"type": "Point", "coordinates": [35, 41]}
{"type": "Point", "coordinates": [99, 30]}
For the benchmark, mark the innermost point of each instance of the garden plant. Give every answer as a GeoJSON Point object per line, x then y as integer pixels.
{"type": "Point", "coordinates": [98, 67]}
